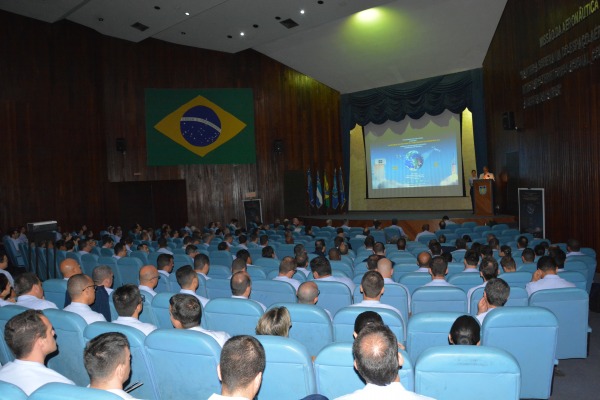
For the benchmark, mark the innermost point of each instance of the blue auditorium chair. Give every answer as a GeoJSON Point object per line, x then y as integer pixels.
{"type": "Point", "coordinates": [455, 268]}
{"type": "Point", "coordinates": [575, 277]}
{"type": "Point", "coordinates": [404, 268]}
{"type": "Point", "coordinates": [88, 263]}
{"type": "Point", "coordinates": [333, 295]}
{"type": "Point", "coordinates": [142, 255]}
{"type": "Point", "coordinates": [62, 391]}
{"type": "Point", "coordinates": [221, 257]}
{"type": "Point", "coordinates": [519, 279]}
{"type": "Point", "coordinates": [68, 360]}
{"type": "Point", "coordinates": [530, 334]}
{"type": "Point", "coordinates": [415, 280]}
{"type": "Point", "coordinates": [467, 372]}
{"type": "Point", "coordinates": [571, 308]}
{"type": "Point", "coordinates": [55, 291]}
{"type": "Point", "coordinates": [147, 314]}
{"type": "Point", "coordinates": [342, 266]}
{"type": "Point", "coordinates": [75, 256]}
{"type": "Point", "coordinates": [153, 258]}
{"type": "Point", "coordinates": [234, 316]}
{"type": "Point", "coordinates": [394, 295]}
{"type": "Point", "coordinates": [518, 298]}
{"type": "Point", "coordinates": [219, 271]}
{"type": "Point", "coordinates": [343, 323]}
{"type": "Point", "coordinates": [299, 276]}
{"type": "Point", "coordinates": [180, 260]}
{"type": "Point", "coordinates": [129, 268]}
{"type": "Point", "coordinates": [336, 376]}
{"type": "Point", "coordinates": [256, 273]}
{"type": "Point", "coordinates": [8, 391]}
{"type": "Point", "coordinates": [438, 298]}
{"type": "Point", "coordinates": [218, 288]}
{"type": "Point", "coordinates": [141, 370]}
{"type": "Point", "coordinates": [529, 268]}
{"type": "Point", "coordinates": [6, 313]}
{"type": "Point", "coordinates": [427, 330]}
{"type": "Point", "coordinates": [465, 280]}
{"type": "Point", "coordinates": [311, 326]}
{"type": "Point", "coordinates": [268, 264]}
{"type": "Point", "coordinates": [424, 239]}
{"type": "Point", "coordinates": [160, 307]}
{"type": "Point", "coordinates": [269, 292]}
{"type": "Point", "coordinates": [179, 355]}
{"type": "Point", "coordinates": [289, 371]}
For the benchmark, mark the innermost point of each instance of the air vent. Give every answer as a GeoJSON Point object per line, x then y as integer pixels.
{"type": "Point", "coordinates": [139, 26]}
{"type": "Point", "coordinates": [289, 23]}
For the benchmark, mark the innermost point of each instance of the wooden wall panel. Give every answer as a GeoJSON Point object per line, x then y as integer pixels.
{"type": "Point", "coordinates": [68, 93]}
{"type": "Point", "coordinates": [557, 142]}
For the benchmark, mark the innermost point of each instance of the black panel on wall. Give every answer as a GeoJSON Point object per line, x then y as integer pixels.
{"type": "Point", "coordinates": [294, 193]}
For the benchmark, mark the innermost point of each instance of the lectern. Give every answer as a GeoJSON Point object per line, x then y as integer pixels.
{"type": "Point", "coordinates": [482, 190]}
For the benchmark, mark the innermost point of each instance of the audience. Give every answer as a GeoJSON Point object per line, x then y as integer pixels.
{"type": "Point", "coordinates": [30, 293]}
{"type": "Point", "coordinates": [149, 277]}
{"type": "Point", "coordinates": [546, 277]}
{"type": "Point", "coordinates": [372, 288]}
{"type": "Point", "coordinates": [275, 322]}
{"type": "Point", "coordinates": [321, 269]}
{"type": "Point", "coordinates": [287, 269]}
{"type": "Point", "coordinates": [495, 295]}
{"type": "Point", "coordinates": [202, 265]}
{"type": "Point", "coordinates": [438, 271]}
{"type": "Point", "coordinates": [241, 287]}
{"type": "Point", "coordinates": [129, 304]}
{"type": "Point", "coordinates": [465, 331]}
{"type": "Point", "coordinates": [186, 313]}
{"type": "Point", "coordinates": [165, 264]}
{"type": "Point", "coordinates": [423, 261]}
{"type": "Point", "coordinates": [188, 280]}
{"type": "Point", "coordinates": [82, 291]}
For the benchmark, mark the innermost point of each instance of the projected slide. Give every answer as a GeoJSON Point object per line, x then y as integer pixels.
{"type": "Point", "coordinates": [415, 158]}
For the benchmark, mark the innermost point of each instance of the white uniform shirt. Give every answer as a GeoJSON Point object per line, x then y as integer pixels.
{"type": "Point", "coordinates": [34, 303]}
{"type": "Point", "coordinates": [394, 390]}
{"type": "Point", "coordinates": [291, 281]}
{"type": "Point", "coordinates": [438, 282]}
{"type": "Point", "coordinates": [85, 312]}
{"type": "Point", "coordinates": [346, 281]}
{"type": "Point", "coordinates": [136, 323]}
{"type": "Point", "coordinates": [30, 375]}
{"type": "Point", "coordinates": [257, 302]}
{"type": "Point", "coordinates": [376, 304]}
{"type": "Point", "coordinates": [548, 282]}
{"type": "Point", "coordinates": [202, 300]}
{"type": "Point", "coordinates": [220, 336]}
{"type": "Point", "coordinates": [147, 290]}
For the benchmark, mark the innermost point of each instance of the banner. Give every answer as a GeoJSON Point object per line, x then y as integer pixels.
{"type": "Point", "coordinates": [326, 188]}
{"type": "Point", "coordinates": [342, 192]}
{"type": "Point", "coordinates": [532, 212]}
{"type": "Point", "coordinates": [200, 126]}
{"type": "Point", "coordinates": [309, 189]}
{"type": "Point", "coordinates": [319, 195]}
{"type": "Point", "coordinates": [334, 194]}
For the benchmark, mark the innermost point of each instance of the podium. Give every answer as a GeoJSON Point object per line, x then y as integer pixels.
{"type": "Point", "coordinates": [483, 192]}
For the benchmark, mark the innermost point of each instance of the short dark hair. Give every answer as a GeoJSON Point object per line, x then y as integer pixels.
{"type": "Point", "coordinates": [366, 318]}
{"type": "Point", "coordinates": [222, 246]}
{"type": "Point", "coordinates": [299, 249]}
{"type": "Point", "coordinates": [522, 241]}
{"type": "Point", "coordinates": [465, 331]}
{"type": "Point", "coordinates": [508, 262]}
{"type": "Point", "coordinates": [243, 254]}
{"type": "Point", "coordinates": [488, 268]}
{"type": "Point", "coordinates": [369, 241]}
{"type": "Point", "coordinates": [471, 257]}
{"type": "Point", "coordinates": [497, 292]}
{"type": "Point", "coordinates": [264, 239]}
{"type": "Point", "coordinates": [507, 250]}
{"type": "Point", "coordinates": [3, 283]}
{"type": "Point", "coordinates": [486, 251]}
{"type": "Point", "coordinates": [76, 284]}
{"type": "Point", "coordinates": [372, 261]}
{"type": "Point", "coordinates": [319, 244]}
{"type": "Point", "coordinates": [546, 263]}
{"type": "Point", "coordinates": [100, 273]}
{"type": "Point", "coordinates": [528, 255]}
{"type": "Point", "coordinates": [573, 245]}
{"type": "Point", "coordinates": [268, 252]}
{"type": "Point", "coordinates": [242, 359]}
{"type": "Point", "coordinates": [460, 243]}
{"type": "Point", "coordinates": [372, 284]}
{"type": "Point", "coordinates": [201, 260]}
{"type": "Point", "coordinates": [376, 353]}
{"type": "Point", "coordinates": [190, 248]}
{"type": "Point", "coordinates": [103, 354]}
{"type": "Point", "coordinates": [379, 247]}
{"type": "Point", "coordinates": [539, 250]}
{"type": "Point", "coordinates": [287, 264]}
{"type": "Point", "coordinates": [239, 264]}
{"type": "Point", "coordinates": [25, 282]}
{"type": "Point", "coordinates": [436, 249]}
{"type": "Point", "coordinates": [321, 266]}
{"type": "Point", "coordinates": [185, 276]}
{"type": "Point", "coordinates": [22, 330]}
{"type": "Point", "coordinates": [438, 266]}
{"type": "Point", "coordinates": [118, 248]}
{"type": "Point", "coordinates": [301, 260]}
{"type": "Point", "coordinates": [163, 261]}
{"type": "Point", "coordinates": [186, 309]}
{"type": "Point", "coordinates": [559, 256]}
{"type": "Point", "coordinates": [401, 245]}
{"type": "Point", "coordinates": [126, 298]}
{"type": "Point", "coordinates": [162, 241]}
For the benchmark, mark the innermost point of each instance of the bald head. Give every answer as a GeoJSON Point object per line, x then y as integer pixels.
{"type": "Point", "coordinates": [385, 268]}
{"type": "Point", "coordinates": [69, 267]}
{"type": "Point", "coordinates": [308, 293]}
{"type": "Point", "coordinates": [78, 287]}
{"type": "Point", "coordinates": [149, 276]}
{"type": "Point", "coordinates": [423, 259]}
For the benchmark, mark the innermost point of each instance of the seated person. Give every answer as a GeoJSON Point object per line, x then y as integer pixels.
{"type": "Point", "coordinates": [372, 288]}
{"type": "Point", "coordinates": [423, 261]}
{"type": "Point", "coordinates": [129, 303]}
{"type": "Point", "coordinates": [465, 331]}
{"type": "Point", "coordinates": [275, 322]}
{"type": "Point", "coordinates": [30, 293]}
{"type": "Point", "coordinates": [188, 279]}
{"type": "Point", "coordinates": [508, 264]}
{"type": "Point", "coordinates": [546, 277]}
{"type": "Point", "coordinates": [495, 294]}
{"type": "Point", "coordinates": [438, 271]}
{"type": "Point", "coordinates": [186, 313]}
{"type": "Point", "coordinates": [241, 287]}
{"type": "Point", "coordinates": [30, 337]}
{"type": "Point", "coordinates": [82, 291]}
{"type": "Point", "coordinates": [287, 269]}
{"type": "Point", "coordinates": [107, 360]}
{"type": "Point", "coordinates": [149, 277]}
{"type": "Point", "coordinates": [5, 290]}
{"type": "Point", "coordinates": [321, 269]}
{"type": "Point", "coordinates": [308, 293]}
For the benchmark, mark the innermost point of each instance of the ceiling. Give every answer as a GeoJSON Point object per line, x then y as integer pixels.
{"type": "Point", "coordinates": [335, 41]}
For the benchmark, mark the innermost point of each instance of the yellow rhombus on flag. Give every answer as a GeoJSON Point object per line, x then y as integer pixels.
{"type": "Point", "coordinates": [171, 128]}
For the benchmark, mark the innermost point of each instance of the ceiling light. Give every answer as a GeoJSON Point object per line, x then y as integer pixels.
{"type": "Point", "coordinates": [241, 33]}
{"type": "Point", "coordinates": [187, 13]}
{"type": "Point", "coordinates": [301, 11]}
{"type": "Point", "coordinates": [368, 15]}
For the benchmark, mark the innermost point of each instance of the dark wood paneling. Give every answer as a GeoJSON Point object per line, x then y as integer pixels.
{"type": "Point", "coordinates": [69, 92]}
{"type": "Point", "coordinates": [557, 145]}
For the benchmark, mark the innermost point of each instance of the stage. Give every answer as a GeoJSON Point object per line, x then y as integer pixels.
{"type": "Point", "coordinates": [410, 221]}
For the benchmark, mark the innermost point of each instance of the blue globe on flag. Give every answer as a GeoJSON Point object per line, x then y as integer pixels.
{"type": "Point", "coordinates": [413, 160]}
{"type": "Point", "coordinates": [200, 126]}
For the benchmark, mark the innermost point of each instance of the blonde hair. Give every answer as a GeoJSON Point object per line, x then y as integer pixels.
{"type": "Point", "coordinates": [275, 322]}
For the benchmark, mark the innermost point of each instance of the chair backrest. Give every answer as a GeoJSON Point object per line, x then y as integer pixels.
{"type": "Point", "coordinates": [147, 314]}
{"type": "Point", "coordinates": [591, 264]}
{"type": "Point", "coordinates": [530, 268]}
{"type": "Point", "coordinates": [311, 326]}
{"type": "Point", "coordinates": [234, 316]}
{"type": "Point", "coordinates": [104, 252]}
{"type": "Point", "coordinates": [88, 263]}
{"type": "Point", "coordinates": [68, 360]}
{"type": "Point", "coordinates": [268, 264]}
{"type": "Point", "coordinates": [180, 260]}
{"type": "Point", "coordinates": [218, 288]}
{"type": "Point", "coordinates": [141, 369]}
{"type": "Point", "coordinates": [43, 271]}
{"type": "Point", "coordinates": [394, 295]}
{"type": "Point", "coordinates": [415, 280]}
{"type": "Point", "coordinates": [343, 323]}
{"type": "Point", "coordinates": [518, 298]}
{"type": "Point", "coordinates": [142, 255]}
{"type": "Point", "coordinates": [270, 292]}
{"type": "Point", "coordinates": [285, 249]}
{"type": "Point", "coordinates": [8, 391]}
{"type": "Point", "coordinates": [404, 268]}
{"type": "Point", "coordinates": [130, 270]}
{"type": "Point", "coordinates": [466, 280]}
{"type": "Point", "coordinates": [575, 277]}
{"type": "Point", "coordinates": [55, 291]}
{"type": "Point", "coordinates": [334, 295]}
{"type": "Point", "coordinates": [62, 391]}
{"type": "Point", "coordinates": [6, 313]}
{"type": "Point", "coordinates": [342, 266]}
{"type": "Point", "coordinates": [164, 283]}
{"type": "Point", "coordinates": [289, 371]}
{"type": "Point", "coordinates": [201, 291]}
{"type": "Point", "coordinates": [219, 271]}
{"type": "Point", "coordinates": [335, 374]}
{"type": "Point", "coordinates": [519, 279]}
{"type": "Point", "coordinates": [256, 273]}
{"type": "Point", "coordinates": [571, 308]}
{"type": "Point", "coordinates": [74, 255]}
{"type": "Point", "coordinates": [160, 307]}
{"type": "Point", "coordinates": [463, 372]}
{"type": "Point", "coordinates": [221, 257]}
{"type": "Point", "coordinates": [427, 330]}
{"type": "Point", "coordinates": [438, 298]}
{"type": "Point", "coordinates": [530, 334]}
{"type": "Point", "coordinates": [177, 355]}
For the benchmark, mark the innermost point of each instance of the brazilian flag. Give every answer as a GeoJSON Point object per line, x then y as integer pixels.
{"type": "Point", "coordinates": [200, 126]}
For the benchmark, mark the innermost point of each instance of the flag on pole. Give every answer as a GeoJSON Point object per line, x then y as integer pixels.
{"type": "Point", "coordinates": [309, 186]}
{"type": "Point", "coordinates": [334, 194]}
{"type": "Point", "coordinates": [342, 192]}
{"type": "Point", "coordinates": [319, 194]}
{"type": "Point", "coordinates": [326, 187]}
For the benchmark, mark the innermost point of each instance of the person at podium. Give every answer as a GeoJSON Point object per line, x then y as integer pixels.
{"type": "Point", "coordinates": [487, 174]}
